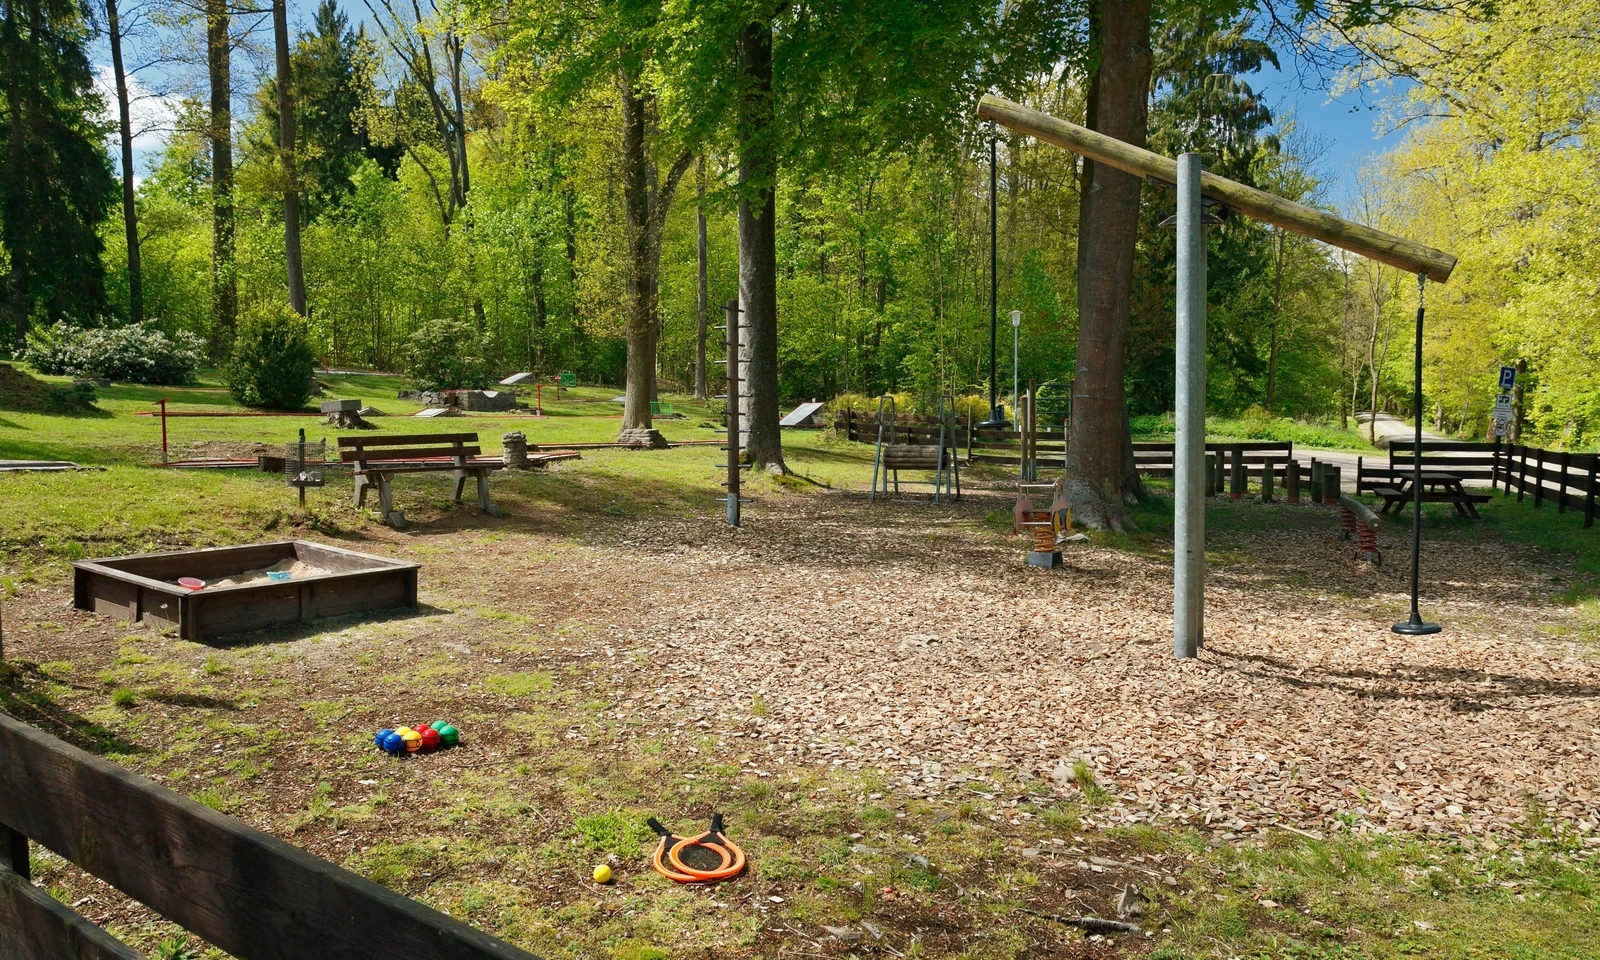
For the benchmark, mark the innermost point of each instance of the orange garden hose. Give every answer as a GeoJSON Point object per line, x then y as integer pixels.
{"type": "Point", "coordinates": [668, 858]}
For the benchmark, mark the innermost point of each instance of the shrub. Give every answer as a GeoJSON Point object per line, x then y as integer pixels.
{"type": "Point", "coordinates": [443, 355]}
{"type": "Point", "coordinates": [135, 353]}
{"type": "Point", "coordinates": [271, 361]}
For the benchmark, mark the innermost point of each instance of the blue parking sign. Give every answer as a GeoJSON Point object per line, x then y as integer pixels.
{"type": "Point", "coordinates": [1508, 377]}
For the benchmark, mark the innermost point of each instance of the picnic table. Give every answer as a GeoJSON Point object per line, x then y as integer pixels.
{"type": "Point", "coordinates": [1437, 487]}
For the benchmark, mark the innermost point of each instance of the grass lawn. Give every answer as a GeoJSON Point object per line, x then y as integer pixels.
{"type": "Point", "coordinates": [611, 651]}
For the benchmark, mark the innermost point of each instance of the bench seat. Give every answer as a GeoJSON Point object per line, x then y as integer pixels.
{"type": "Point", "coordinates": [375, 459]}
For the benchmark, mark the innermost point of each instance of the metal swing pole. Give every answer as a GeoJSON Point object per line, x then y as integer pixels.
{"type": "Point", "coordinates": [1189, 450]}
{"type": "Point", "coordinates": [1415, 625]}
{"type": "Point", "coordinates": [996, 418]}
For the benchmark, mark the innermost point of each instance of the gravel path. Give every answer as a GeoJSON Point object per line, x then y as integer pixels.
{"type": "Point", "coordinates": [911, 638]}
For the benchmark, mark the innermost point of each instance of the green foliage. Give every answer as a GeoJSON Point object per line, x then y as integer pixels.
{"type": "Point", "coordinates": [444, 355]}
{"type": "Point", "coordinates": [271, 361]}
{"type": "Point", "coordinates": [135, 353]}
{"type": "Point", "coordinates": [56, 185]}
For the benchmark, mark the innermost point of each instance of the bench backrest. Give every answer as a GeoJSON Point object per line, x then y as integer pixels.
{"type": "Point", "coordinates": [401, 447]}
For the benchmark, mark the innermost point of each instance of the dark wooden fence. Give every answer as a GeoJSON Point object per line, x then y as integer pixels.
{"type": "Point", "coordinates": [1570, 480]}
{"type": "Point", "coordinates": [248, 893]}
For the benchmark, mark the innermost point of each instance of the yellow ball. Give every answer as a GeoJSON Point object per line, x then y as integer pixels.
{"type": "Point", "coordinates": [413, 740]}
{"type": "Point", "coordinates": [602, 874]}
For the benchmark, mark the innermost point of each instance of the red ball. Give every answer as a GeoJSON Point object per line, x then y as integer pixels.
{"type": "Point", "coordinates": [430, 738]}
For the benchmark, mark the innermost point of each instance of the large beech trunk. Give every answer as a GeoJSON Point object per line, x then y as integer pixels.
{"type": "Point", "coordinates": [1119, 89]}
{"type": "Point", "coordinates": [758, 246]}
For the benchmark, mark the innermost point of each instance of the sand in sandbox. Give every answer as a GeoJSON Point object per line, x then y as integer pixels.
{"type": "Point", "coordinates": [296, 569]}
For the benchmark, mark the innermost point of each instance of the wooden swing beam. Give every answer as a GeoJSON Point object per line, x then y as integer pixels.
{"type": "Point", "coordinates": [1408, 255]}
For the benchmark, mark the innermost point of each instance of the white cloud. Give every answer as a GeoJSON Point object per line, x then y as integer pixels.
{"type": "Point", "coordinates": [150, 114]}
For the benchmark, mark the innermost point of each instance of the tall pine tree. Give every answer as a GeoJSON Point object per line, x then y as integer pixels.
{"type": "Point", "coordinates": [55, 176]}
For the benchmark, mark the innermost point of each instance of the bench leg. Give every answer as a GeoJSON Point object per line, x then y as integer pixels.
{"type": "Point", "coordinates": [385, 497]}
{"type": "Point", "coordinates": [461, 484]}
{"type": "Point", "coordinates": [483, 496]}
{"type": "Point", "coordinates": [361, 490]}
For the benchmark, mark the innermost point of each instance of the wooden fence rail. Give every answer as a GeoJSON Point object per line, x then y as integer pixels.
{"type": "Point", "coordinates": [1572, 480]}
{"type": "Point", "coordinates": [246, 892]}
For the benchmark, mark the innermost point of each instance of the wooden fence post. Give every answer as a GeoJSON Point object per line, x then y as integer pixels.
{"type": "Point", "coordinates": [1522, 470]}
{"type": "Point", "coordinates": [14, 852]}
{"type": "Point", "coordinates": [1211, 473]}
{"type": "Point", "coordinates": [1494, 468]}
{"type": "Point", "coordinates": [1291, 481]}
{"type": "Point", "coordinates": [1330, 483]}
{"type": "Point", "coordinates": [1266, 481]}
{"type": "Point", "coordinates": [1561, 494]}
{"type": "Point", "coordinates": [1218, 485]}
{"type": "Point", "coordinates": [1238, 485]}
{"type": "Point", "coordinates": [1538, 478]}
{"type": "Point", "coordinates": [1594, 478]}
{"type": "Point", "coordinates": [1315, 491]}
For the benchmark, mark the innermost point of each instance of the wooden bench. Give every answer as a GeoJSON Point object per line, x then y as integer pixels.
{"type": "Point", "coordinates": [377, 459]}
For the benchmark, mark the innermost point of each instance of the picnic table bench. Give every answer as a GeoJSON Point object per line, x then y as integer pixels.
{"type": "Point", "coordinates": [376, 459]}
{"type": "Point", "coordinates": [1436, 488]}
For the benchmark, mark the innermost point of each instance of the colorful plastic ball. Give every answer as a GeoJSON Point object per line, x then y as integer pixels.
{"type": "Point", "coordinates": [402, 730]}
{"type": "Point", "coordinates": [381, 735]}
{"type": "Point", "coordinates": [438, 725]}
{"type": "Point", "coordinates": [413, 741]}
{"type": "Point", "coordinates": [449, 736]}
{"type": "Point", "coordinates": [430, 738]}
{"type": "Point", "coordinates": [394, 743]}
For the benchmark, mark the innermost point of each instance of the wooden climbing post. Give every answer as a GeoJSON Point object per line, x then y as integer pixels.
{"type": "Point", "coordinates": [1266, 481]}
{"type": "Point", "coordinates": [1238, 483]}
{"type": "Point", "coordinates": [1291, 481]}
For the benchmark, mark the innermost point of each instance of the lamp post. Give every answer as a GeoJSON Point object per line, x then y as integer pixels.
{"type": "Point", "coordinates": [1016, 327]}
{"type": "Point", "coordinates": [997, 417]}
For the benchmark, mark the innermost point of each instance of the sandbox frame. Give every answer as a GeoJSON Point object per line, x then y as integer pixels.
{"type": "Point", "coordinates": [139, 587]}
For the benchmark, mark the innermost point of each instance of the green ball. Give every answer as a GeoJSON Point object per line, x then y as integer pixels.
{"type": "Point", "coordinates": [449, 736]}
{"type": "Point", "coordinates": [438, 726]}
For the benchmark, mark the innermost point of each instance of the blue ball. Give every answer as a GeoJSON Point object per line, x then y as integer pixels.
{"type": "Point", "coordinates": [382, 735]}
{"type": "Point", "coordinates": [394, 743]}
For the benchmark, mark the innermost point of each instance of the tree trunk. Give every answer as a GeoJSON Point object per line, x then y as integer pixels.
{"type": "Point", "coordinates": [636, 212]}
{"type": "Point", "coordinates": [758, 245]}
{"type": "Point", "coordinates": [224, 279]}
{"type": "Point", "coordinates": [1108, 229]}
{"type": "Point", "coordinates": [130, 215]}
{"type": "Point", "coordinates": [700, 281]}
{"type": "Point", "coordinates": [19, 264]}
{"type": "Point", "coordinates": [291, 188]}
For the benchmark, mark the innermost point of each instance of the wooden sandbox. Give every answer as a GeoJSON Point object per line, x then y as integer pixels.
{"type": "Point", "coordinates": [144, 587]}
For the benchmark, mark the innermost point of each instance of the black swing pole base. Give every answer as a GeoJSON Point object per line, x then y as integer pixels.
{"type": "Point", "coordinates": [1415, 627]}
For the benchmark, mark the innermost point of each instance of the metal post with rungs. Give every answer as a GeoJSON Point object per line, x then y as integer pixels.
{"type": "Point", "coordinates": [1189, 451]}
{"type": "Point", "coordinates": [733, 413]}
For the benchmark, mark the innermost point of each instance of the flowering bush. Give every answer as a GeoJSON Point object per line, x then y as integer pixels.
{"type": "Point", "coordinates": [136, 353]}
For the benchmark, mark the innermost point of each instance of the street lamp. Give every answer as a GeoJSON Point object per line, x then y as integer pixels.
{"type": "Point", "coordinates": [1016, 328]}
